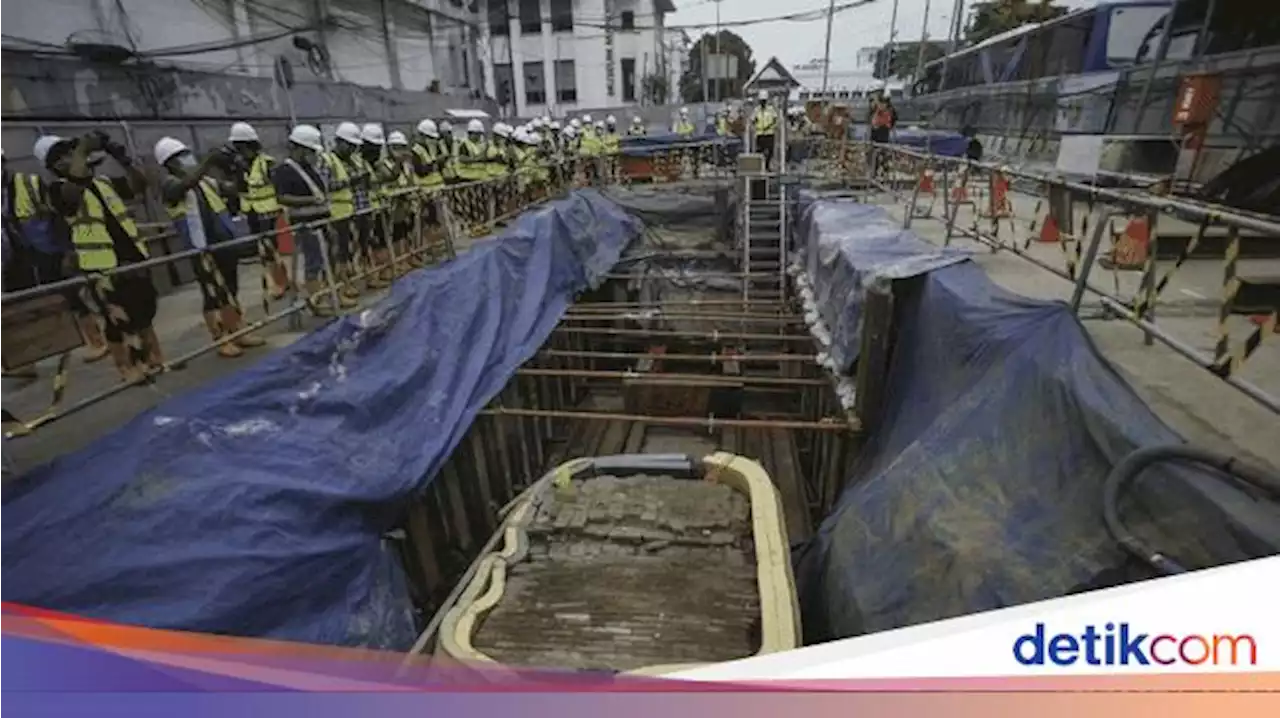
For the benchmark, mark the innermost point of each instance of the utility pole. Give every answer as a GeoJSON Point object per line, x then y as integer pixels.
{"type": "Point", "coordinates": [893, 34]}
{"type": "Point", "coordinates": [924, 36]}
{"type": "Point", "coordinates": [826, 55]}
{"type": "Point", "coordinates": [719, 91]}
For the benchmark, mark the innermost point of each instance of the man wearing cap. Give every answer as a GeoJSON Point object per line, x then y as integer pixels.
{"type": "Point", "coordinates": [195, 205]}
{"type": "Point", "coordinates": [300, 189]}
{"type": "Point", "coordinates": [258, 202]}
{"type": "Point", "coordinates": [105, 239]}
{"type": "Point", "coordinates": [338, 169]}
{"type": "Point", "coordinates": [40, 241]}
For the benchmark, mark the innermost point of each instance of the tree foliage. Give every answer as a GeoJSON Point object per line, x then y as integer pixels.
{"type": "Point", "coordinates": [904, 57]}
{"type": "Point", "coordinates": [993, 17]}
{"type": "Point", "coordinates": [731, 43]}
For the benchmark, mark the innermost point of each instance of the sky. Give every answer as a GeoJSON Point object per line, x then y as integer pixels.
{"type": "Point", "coordinates": [798, 42]}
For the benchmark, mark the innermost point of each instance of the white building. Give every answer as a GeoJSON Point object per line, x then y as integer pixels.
{"type": "Point", "coordinates": [555, 56]}
{"type": "Point", "coordinates": [400, 44]}
{"type": "Point", "coordinates": [843, 83]}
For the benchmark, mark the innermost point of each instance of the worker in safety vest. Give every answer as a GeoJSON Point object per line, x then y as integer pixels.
{"type": "Point", "coordinates": [472, 159]}
{"type": "Point", "coordinates": [429, 157]}
{"type": "Point", "coordinates": [449, 151]}
{"type": "Point", "coordinates": [373, 176]}
{"type": "Point", "coordinates": [684, 127]}
{"type": "Point", "coordinates": [883, 118]}
{"type": "Point", "coordinates": [300, 182]}
{"type": "Point", "coordinates": [338, 168]}
{"type": "Point", "coordinates": [498, 153]}
{"type": "Point", "coordinates": [637, 128]}
{"type": "Point", "coordinates": [195, 205]}
{"type": "Point", "coordinates": [766, 124]}
{"type": "Point", "coordinates": [258, 202]}
{"type": "Point", "coordinates": [397, 167]}
{"type": "Point", "coordinates": [105, 239]}
{"type": "Point", "coordinates": [41, 243]}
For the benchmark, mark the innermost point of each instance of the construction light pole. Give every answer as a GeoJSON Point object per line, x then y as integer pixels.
{"type": "Point", "coordinates": [826, 55]}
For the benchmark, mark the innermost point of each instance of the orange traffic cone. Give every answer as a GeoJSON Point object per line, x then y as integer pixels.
{"type": "Point", "coordinates": [926, 182]}
{"type": "Point", "coordinates": [959, 193]}
{"type": "Point", "coordinates": [999, 205]}
{"type": "Point", "coordinates": [1132, 246]}
{"type": "Point", "coordinates": [1049, 230]}
{"type": "Point", "coordinates": [284, 234]}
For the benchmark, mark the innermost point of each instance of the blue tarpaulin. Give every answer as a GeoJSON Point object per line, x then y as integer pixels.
{"type": "Point", "coordinates": [255, 505]}
{"type": "Point", "coordinates": [981, 483]}
{"type": "Point", "coordinates": [647, 145]}
{"type": "Point", "coordinates": [939, 142]}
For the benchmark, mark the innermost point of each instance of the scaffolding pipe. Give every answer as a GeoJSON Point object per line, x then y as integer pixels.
{"type": "Point", "coordinates": [707, 422]}
{"type": "Point", "coordinates": [711, 379]}
{"type": "Point", "coordinates": [710, 358]}
{"type": "Point", "coordinates": [641, 315]}
{"type": "Point", "coordinates": [675, 333]}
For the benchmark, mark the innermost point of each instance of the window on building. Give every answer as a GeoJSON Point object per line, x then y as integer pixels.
{"type": "Point", "coordinates": [534, 82]}
{"type": "Point", "coordinates": [566, 81]}
{"type": "Point", "coordinates": [628, 79]}
{"type": "Point", "coordinates": [503, 82]}
{"type": "Point", "coordinates": [530, 17]}
{"type": "Point", "coordinates": [499, 18]}
{"type": "Point", "coordinates": [628, 20]}
{"type": "Point", "coordinates": [562, 16]}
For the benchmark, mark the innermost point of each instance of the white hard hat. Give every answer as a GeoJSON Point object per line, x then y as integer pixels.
{"type": "Point", "coordinates": [586, 119]}
{"type": "Point", "coordinates": [428, 128]}
{"type": "Point", "coordinates": [763, 96]}
{"type": "Point", "coordinates": [475, 126]}
{"type": "Point", "coordinates": [611, 120]}
{"type": "Point", "coordinates": [684, 110]}
{"type": "Point", "coordinates": [167, 148]}
{"type": "Point", "coordinates": [307, 136]}
{"type": "Point", "coordinates": [502, 129]}
{"type": "Point", "coordinates": [398, 139]}
{"type": "Point", "coordinates": [446, 126]}
{"type": "Point", "coordinates": [243, 132]}
{"type": "Point", "coordinates": [44, 145]}
{"type": "Point", "coordinates": [372, 133]}
{"type": "Point", "coordinates": [350, 132]}
{"type": "Point", "coordinates": [599, 125]}
{"type": "Point", "coordinates": [555, 125]}
{"type": "Point", "coordinates": [571, 131]}
{"type": "Point", "coordinates": [531, 139]}
{"type": "Point", "coordinates": [636, 120]}
{"type": "Point", "coordinates": [574, 123]}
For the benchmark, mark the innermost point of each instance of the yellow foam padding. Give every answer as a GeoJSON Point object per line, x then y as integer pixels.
{"type": "Point", "coordinates": [779, 609]}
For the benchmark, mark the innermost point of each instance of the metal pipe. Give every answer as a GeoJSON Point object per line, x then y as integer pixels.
{"type": "Point", "coordinates": [713, 335]}
{"type": "Point", "coordinates": [1162, 49]}
{"type": "Point", "coordinates": [640, 316]}
{"type": "Point", "coordinates": [826, 54]}
{"type": "Point", "coordinates": [689, 275]}
{"type": "Point", "coordinates": [711, 358]}
{"type": "Point", "coordinates": [708, 422]}
{"type": "Point", "coordinates": [610, 306]}
{"type": "Point", "coordinates": [711, 380]}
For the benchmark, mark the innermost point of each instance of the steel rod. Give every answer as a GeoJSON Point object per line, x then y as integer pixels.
{"type": "Point", "coordinates": [710, 358]}
{"type": "Point", "coordinates": [709, 422]}
{"type": "Point", "coordinates": [713, 336]}
{"type": "Point", "coordinates": [613, 306]}
{"type": "Point", "coordinates": [712, 380]}
{"type": "Point", "coordinates": [640, 315]}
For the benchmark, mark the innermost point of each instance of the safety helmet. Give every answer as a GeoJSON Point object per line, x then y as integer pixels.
{"type": "Point", "coordinates": [243, 132]}
{"type": "Point", "coordinates": [45, 145]}
{"type": "Point", "coordinates": [531, 139]}
{"type": "Point", "coordinates": [763, 96]}
{"type": "Point", "coordinates": [372, 133]}
{"type": "Point", "coordinates": [599, 125]}
{"type": "Point", "coordinates": [446, 127]}
{"type": "Point", "coordinates": [167, 148]}
{"type": "Point", "coordinates": [398, 139]}
{"type": "Point", "coordinates": [307, 136]}
{"type": "Point", "coordinates": [611, 120]}
{"type": "Point", "coordinates": [586, 119]}
{"type": "Point", "coordinates": [574, 124]}
{"type": "Point", "coordinates": [502, 129]}
{"type": "Point", "coordinates": [349, 132]}
{"type": "Point", "coordinates": [684, 110]}
{"type": "Point", "coordinates": [636, 120]}
{"type": "Point", "coordinates": [475, 127]}
{"type": "Point", "coordinates": [571, 131]}
{"type": "Point", "coordinates": [428, 128]}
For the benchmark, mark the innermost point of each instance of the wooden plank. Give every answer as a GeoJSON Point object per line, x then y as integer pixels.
{"type": "Point", "coordinates": [788, 477]}
{"type": "Point", "coordinates": [635, 437]}
{"type": "Point", "coordinates": [873, 359]}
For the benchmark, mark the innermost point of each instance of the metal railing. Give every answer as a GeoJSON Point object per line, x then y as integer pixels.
{"type": "Point", "coordinates": [988, 189]}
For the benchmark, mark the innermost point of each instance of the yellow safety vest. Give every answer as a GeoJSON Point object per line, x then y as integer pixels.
{"type": "Point", "coordinates": [636, 130]}
{"type": "Point", "coordinates": [342, 201]}
{"type": "Point", "coordinates": [611, 143]}
{"type": "Point", "coordinates": [260, 195]}
{"type": "Point", "coordinates": [28, 199]}
{"type": "Point", "coordinates": [449, 151]}
{"type": "Point", "coordinates": [471, 161]}
{"type": "Point", "coordinates": [497, 159]}
{"type": "Point", "coordinates": [685, 129]}
{"type": "Point", "coordinates": [766, 120]}
{"type": "Point", "coordinates": [89, 234]}
{"type": "Point", "coordinates": [217, 205]}
{"type": "Point", "coordinates": [589, 145]}
{"type": "Point", "coordinates": [427, 154]}
{"type": "Point", "coordinates": [393, 188]}
{"type": "Point", "coordinates": [722, 127]}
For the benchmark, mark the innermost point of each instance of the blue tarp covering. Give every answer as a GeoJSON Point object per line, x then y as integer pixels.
{"type": "Point", "coordinates": [256, 505]}
{"type": "Point", "coordinates": [939, 142]}
{"type": "Point", "coordinates": [981, 484]}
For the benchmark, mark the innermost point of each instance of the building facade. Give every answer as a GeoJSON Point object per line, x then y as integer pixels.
{"type": "Point", "coordinates": [560, 56]}
{"type": "Point", "coordinates": [843, 83]}
{"type": "Point", "coordinates": [412, 45]}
